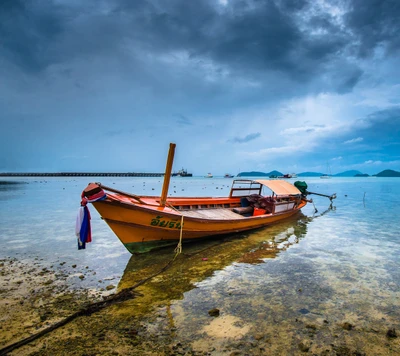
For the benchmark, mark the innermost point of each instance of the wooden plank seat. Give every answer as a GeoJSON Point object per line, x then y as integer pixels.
{"type": "Point", "coordinates": [212, 214]}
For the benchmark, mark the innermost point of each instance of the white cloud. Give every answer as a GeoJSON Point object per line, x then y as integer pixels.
{"type": "Point", "coordinates": [266, 152]}
{"type": "Point", "coordinates": [376, 163]}
{"type": "Point", "coordinates": [354, 140]}
{"type": "Point", "coordinates": [381, 97]}
{"type": "Point", "coordinates": [313, 119]}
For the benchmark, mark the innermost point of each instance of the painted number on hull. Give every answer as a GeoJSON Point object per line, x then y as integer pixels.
{"type": "Point", "coordinates": [165, 223]}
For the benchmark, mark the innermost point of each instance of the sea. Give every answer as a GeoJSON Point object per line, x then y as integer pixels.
{"type": "Point", "coordinates": [333, 268]}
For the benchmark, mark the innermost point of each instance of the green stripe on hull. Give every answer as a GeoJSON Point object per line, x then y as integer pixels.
{"type": "Point", "coordinates": [143, 247]}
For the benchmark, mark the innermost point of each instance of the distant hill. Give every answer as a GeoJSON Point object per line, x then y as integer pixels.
{"type": "Point", "coordinates": [388, 173]}
{"type": "Point", "coordinates": [259, 174]}
{"type": "Point", "coordinates": [274, 173]}
{"type": "Point", "coordinates": [351, 173]}
{"type": "Point", "coordinates": [252, 174]}
{"type": "Point", "coordinates": [309, 174]}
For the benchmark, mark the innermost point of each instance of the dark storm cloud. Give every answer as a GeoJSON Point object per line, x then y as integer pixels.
{"type": "Point", "coordinates": [381, 129]}
{"type": "Point", "coordinates": [376, 131]}
{"type": "Point", "coordinates": [28, 30]}
{"type": "Point", "coordinates": [344, 76]}
{"type": "Point", "coordinates": [374, 23]}
{"type": "Point", "coordinates": [247, 138]}
{"type": "Point", "coordinates": [247, 38]}
{"type": "Point", "coordinates": [386, 122]}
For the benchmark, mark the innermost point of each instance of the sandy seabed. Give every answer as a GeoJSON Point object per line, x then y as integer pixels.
{"type": "Point", "coordinates": [34, 297]}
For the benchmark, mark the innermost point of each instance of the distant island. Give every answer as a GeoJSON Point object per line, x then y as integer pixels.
{"type": "Point", "coordinates": [388, 173]}
{"type": "Point", "coordinates": [259, 174]}
{"type": "Point", "coordinates": [309, 174]}
{"type": "Point", "coordinates": [351, 173]}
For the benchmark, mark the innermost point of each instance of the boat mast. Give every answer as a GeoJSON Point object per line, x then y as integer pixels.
{"type": "Point", "coordinates": [167, 176]}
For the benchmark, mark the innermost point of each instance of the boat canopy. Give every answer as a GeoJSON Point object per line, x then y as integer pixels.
{"type": "Point", "coordinates": [279, 187]}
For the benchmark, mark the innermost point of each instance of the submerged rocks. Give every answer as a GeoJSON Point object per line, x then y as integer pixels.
{"type": "Point", "coordinates": [304, 345]}
{"type": "Point", "coordinates": [391, 333]}
{"type": "Point", "coordinates": [213, 312]}
{"type": "Point", "coordinates": [347, 326]}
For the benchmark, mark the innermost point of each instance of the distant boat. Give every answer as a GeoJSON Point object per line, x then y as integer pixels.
{"type": "Point", "coordinates": [209, 175]}
{"type": "Point", "coordinates": [286, 176]}
{"type": "Point", "coordinates": [182, 173]}
{"type": "Point", "coordinates": [329, 175]}
{"type": "Point", "coordinates": [227, 175]}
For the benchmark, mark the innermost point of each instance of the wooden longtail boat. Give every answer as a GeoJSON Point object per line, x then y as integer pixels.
{"type": "Point", "coordinates": [143, 223]}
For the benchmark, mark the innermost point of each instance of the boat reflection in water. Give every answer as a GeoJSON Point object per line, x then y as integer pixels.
{"type": "Point", "coordinates": [256, 288]}
{"type": "Point", "coordinates": [201, 260]}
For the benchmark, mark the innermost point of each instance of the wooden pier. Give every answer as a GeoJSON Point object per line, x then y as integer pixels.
{"type": "Point", "coordinates": [80, 174]}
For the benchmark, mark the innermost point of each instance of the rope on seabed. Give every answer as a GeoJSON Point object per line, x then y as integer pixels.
{"type": "Point", "coordinates": [123, 295]}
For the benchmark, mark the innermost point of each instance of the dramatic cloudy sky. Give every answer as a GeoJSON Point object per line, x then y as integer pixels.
{"type": "Point", "coordinates": [292, 85]}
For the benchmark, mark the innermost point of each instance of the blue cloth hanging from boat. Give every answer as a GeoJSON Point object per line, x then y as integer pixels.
{"type": "Point", "coordinates": [83, 228]}
{"type": "Point", "coordinates": [83, 232]}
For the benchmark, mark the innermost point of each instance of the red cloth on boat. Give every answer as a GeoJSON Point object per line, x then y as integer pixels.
{"type": "Point", "coordinates": [92, 193]}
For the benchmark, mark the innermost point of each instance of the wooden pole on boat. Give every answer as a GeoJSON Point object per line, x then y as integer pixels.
{"type": "Point", "coordinates": [167, 175]}
{"type": "Point", "coordinates": [331, 197]}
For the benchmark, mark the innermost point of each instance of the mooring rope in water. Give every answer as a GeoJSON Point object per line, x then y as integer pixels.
{"type": "Point", "coordinates": [178, 248]}
{"type": "Point", "coordinates": [315, 209]}
{"type": "Point", "coordinates": [123, 295]}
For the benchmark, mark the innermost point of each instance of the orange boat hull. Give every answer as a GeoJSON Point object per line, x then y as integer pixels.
{"type": "Point", "coordinates": [143, 227]}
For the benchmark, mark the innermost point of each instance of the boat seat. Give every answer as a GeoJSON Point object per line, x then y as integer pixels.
{"type": "Point", "coordinates": [245, 211]}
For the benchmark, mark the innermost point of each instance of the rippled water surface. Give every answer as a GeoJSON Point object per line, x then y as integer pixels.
{"type": "Point", "coordinates": [297, 281]}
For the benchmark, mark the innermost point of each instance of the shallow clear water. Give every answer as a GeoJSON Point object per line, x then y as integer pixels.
{"type": "Point", "coordinates": [324, 267]}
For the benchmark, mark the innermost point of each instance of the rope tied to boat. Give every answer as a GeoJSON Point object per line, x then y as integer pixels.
{"type": "Point", "coordinates": [178, 248]}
